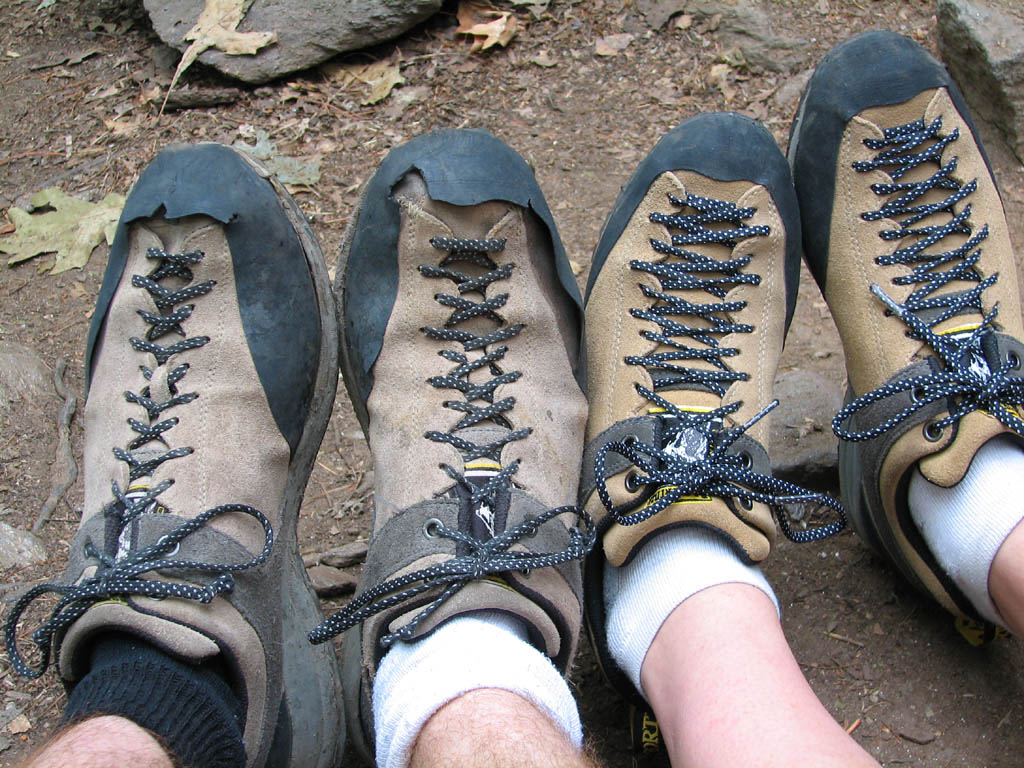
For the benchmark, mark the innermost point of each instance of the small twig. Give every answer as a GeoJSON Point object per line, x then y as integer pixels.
{"type": "Point", "coordinates": [22, 155]}
{"type": "Point", "coordinates": [63, 453]}
{"type": "Point", "coordinates": [845, 639]}
{"type": "Point", "coordinates": [335, 489]}
{"type": "Point", "coordinates": [922, 740]}
{"type": "Point", "coordinates": [854, 725]}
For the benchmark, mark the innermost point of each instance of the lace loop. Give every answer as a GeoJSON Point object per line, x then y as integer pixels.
{"type": "Point", "coordinates": [485, 558]}
{"type": "Point", "coordinates": [119, 579]}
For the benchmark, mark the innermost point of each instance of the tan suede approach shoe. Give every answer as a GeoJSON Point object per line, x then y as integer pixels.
{"type": "Point", "coordinates": [461, 351]}
{"type": "Point", "coordinates": [905, 234]}
{"type": "Point", "coordinates": [212, 367]}
{"type": "Point", "coordinates": [691, 290]}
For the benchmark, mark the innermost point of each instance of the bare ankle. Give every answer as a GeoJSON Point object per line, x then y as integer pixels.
{"type": "Point", "coordinates": [497, 728]}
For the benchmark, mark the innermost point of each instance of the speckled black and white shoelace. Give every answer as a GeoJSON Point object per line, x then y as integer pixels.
{"type": "Point", "coordinates": [119, 575]}
{"type": "Point", "coordinates": [694, 459]}
{"type": "Point", "coordinates": [964, 377]}
{"type": "Point", "coordinates": [488, 556]}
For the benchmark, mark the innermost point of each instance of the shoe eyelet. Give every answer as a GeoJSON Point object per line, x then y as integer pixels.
{"type": "Point", "coordinates": [932, 432]}
{"type": "Point", "coordinates": [746, 504]}
{"type": "Point", "coordinates": [430, 528]}
{"type": "Point", "coordinates": [917, 394]}
{"type": "Point", "coordinates": [1013, 360]}
{"type": "Point", "coordinates": [633, 483]}
{"type": "Point", "coordinates": [630, 440]}
{"type": "Point", "coordinates": [748, 460]}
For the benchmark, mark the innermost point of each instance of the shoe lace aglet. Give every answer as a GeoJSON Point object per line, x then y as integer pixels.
{"type": "Point", "coordinates": [882, 296]}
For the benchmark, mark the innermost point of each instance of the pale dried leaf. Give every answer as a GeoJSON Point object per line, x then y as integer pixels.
{"type": "Point", "coordinates": [20, 724]}
{"type": "Point", "coordinates": [296, 171]}
{"type": "Point", "coordinates": [216, 28]}
{"type": "Point", "coordinates": [382, 85]}
{"type": "Point", "coordinates": [684, 22]}
{"type": "Point", "coordinates": [543, 59]}
{"type": "Point", "coordinates": [612, 45]}
{"type": "Point", "coordinates": [719, 74]}
{"type": "Point", "coordinates": [122, 128]}
{"type": "Point", "coordinates": [72, 229]}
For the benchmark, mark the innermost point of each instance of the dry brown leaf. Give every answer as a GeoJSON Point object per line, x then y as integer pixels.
{"type": "Point", "coordinates": [122, 128]}
{"type": "Point", "coordinates": [216, 28]}
{"type": "Point", "coordinates": [612, 45]}
{"type": "Point", "coordinates": [719, 75]}
{"type": "Point", "coordinates": [382, 76]}
{"type": "Point", "coordinates": [684, 22]}
{"type": "Point", "coordinates": [20, 724]}
{"type": "Point", "coordinates": [499, 31]}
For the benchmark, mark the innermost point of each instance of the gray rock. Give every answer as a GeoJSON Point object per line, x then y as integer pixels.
{"type": "Point", "coordinates": [308, 31]}
{"type": "Point", "coordinates": [803, 447]}
{"type": "Point", "coordinates": [23, 376]}
{"type": "Point", "coordinates": [982, 44]}
{"type": "Point", "coordinates": [331, 582]}
{"type": "Point", "coordinates": [745, 24]}
{"type": "Point", "coordinates": [347, 554]}
{"type": "Point", "coordinates": [18, 547]}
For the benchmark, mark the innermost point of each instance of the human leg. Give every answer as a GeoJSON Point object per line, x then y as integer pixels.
{"type": "Point", "coordinates": [106, 741]}
{"type": "Point", "coordinates": [1006, 580]}
{"type": "Point", "coordinates": [720, 670]}
{"type": "Point", "coordinates": [690, 294]}
{"type": "Point", "coordinates": [211, 367]}
{"type": "Point", "coordinates": [494, 727]}
{"type": "Point", "coordinates": [460, 339]}
{"type": "Point", "coordinates": [905, 233]}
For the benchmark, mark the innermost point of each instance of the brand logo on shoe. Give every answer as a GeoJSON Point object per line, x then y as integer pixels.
{"type": "Point", "coordinates": [478, 472]}
{"type": "Point", "coordinates": [124, 539]}
{"type": "Point", "coordinates": [665, 490]}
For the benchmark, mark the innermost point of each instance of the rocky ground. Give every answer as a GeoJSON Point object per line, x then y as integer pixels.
{"type": "Point", "coordinates": [583, 91]}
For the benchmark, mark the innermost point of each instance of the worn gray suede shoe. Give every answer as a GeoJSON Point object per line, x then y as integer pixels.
{"type": "Point", "coordinates": [212, 368]}
{"type": "Point", "coordinates": [905, 234]}
{"type": "Point", "coordinates": [460, 339]}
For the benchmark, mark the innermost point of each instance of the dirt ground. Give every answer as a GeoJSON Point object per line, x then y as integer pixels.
{"type": "Point", "coordinates": [886, 663]}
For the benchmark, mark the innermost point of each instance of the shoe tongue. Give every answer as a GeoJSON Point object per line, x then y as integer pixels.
{"type": "Point", "coordinates": [126, 533]}
{"type": "Point", "coordinates": [483, 435]}
{"type": "Point", "coordinates": [485, 519]}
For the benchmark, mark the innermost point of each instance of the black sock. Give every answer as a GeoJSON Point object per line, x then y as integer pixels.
{"type": "Point", "coordinates": [190, 707]}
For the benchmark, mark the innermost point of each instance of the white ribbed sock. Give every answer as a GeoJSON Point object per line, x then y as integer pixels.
{"type": "Point", "coordinates": [965, 525]}
{"type": "Point", "coordinates": [487, 649]}
{"type": "Point", "coordinates": [668, 569]}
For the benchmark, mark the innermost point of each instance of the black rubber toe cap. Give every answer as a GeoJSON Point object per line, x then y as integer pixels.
{"type": "Point", "coordinates": [276, 298]}
{"type": "Point", "coordinates": [874, 69]}
{"type": "Point", "coordinates": [460, 167]}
